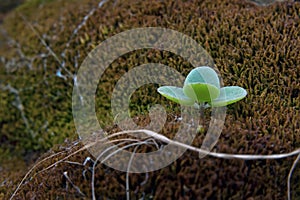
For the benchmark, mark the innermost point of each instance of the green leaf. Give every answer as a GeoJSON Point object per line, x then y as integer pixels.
{"type": "Point", "coordinates": [201, 92]}
{"type": "Point", "coordinates": [175, 94]}
{"type": "Point", "coordinates": [229, 95]}
{"type": "Point", "coordinates": [203, 74]}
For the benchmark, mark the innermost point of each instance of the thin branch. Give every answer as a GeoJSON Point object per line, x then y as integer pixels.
{"type": "Point", "coordinates": [127, 173]}
{"type": "Point", "coordinates": [47, 46]}
{"type": "Point", "coordinates": [73, 185]}
{"type": "Point", "coordinates": [130, 162]}
{"type": "Point", "coordinates": [202, 151]}
{"type": "Point", "coordinates": [107, 157]}
{"type": "Point", "coordinates": [290, 175]}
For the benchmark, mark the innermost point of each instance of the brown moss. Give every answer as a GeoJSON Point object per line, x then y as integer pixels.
{"type": "Point", "coordinates": [254, 47]}
{"type": "Point", "coordinates": [187, 178]}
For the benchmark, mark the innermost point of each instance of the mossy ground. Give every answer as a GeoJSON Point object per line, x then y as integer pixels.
{"type": "Point", "coordinates": [253, 47]}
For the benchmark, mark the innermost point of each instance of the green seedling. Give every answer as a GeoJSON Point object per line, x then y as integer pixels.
{"type": "Point", "coordinates": [202, 87]}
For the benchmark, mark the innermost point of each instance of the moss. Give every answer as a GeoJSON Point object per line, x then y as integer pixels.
{"type": "Point", "coordinates": [32, 4]}
{"type": "Point", "coordinates": [253, 47]}
{"type": "Point", "coordinates": [189, 177]}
